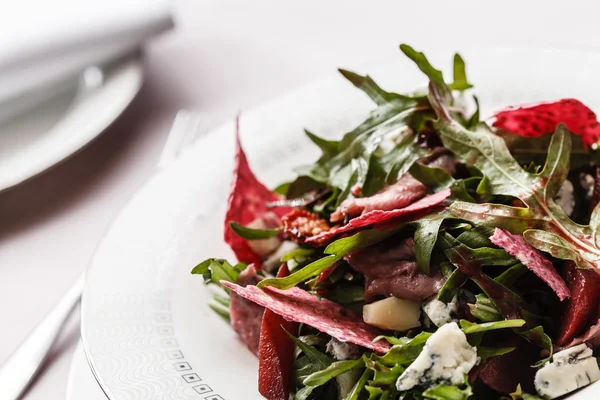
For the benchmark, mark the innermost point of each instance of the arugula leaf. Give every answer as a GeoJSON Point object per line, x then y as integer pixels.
{"type": "Point", "coordinates": [469, 327]}
{"type": "Point", "coordinates": [482, 256]}
{"type": "Point", "coordinates": [478, 236]}
{"type": "Point", "coordinates": [337, 368]}
{"type": "Point", "coordinates": [329, 148]}
{"type": "Point", "coordinates": [320, 360]}
{"type": "Point", "coordinates": [504, 176]}
{"type": "Point", "coordinates": [518, 394]}
{"type": "Point", "coordinates": [358, 388]}
{"type": "Point", "coordinates": [424, 65]}
{"type": "Point", "coordinates": [448, 392]}
{"type": "Point", "coordinates": [334, 252]}
{"type": "Point", "coordinates": [484, 309]}
{"type": "Point", "coordinates": [510, 305]}
{"type": "Point", "coordinates": [425, 238]}
{"type": "Point", "coordinates": [436, 179]}
{"type": "Point", "coordinates": [460, 74]}
{"type": "Point", "coordinates": [377, 94]}
{"type": "Point", "coordinates": [485, 353]}
{"type": "Point", "coordinates": [402, 156]}
{"type": "Point", "coordinates": [252, 234]}
{"type": "Point", "coordinates": [220, 305]}
{"type": "Point", "coordinates": [298, 254]}
{"type": "Point", "coordinates": [375, 178]}
{"type": "Point", "coordinates": [538, 337]}
{"type": "Point", "coordinates": [555, 245]}
{"type": "Point", "coordinates": [375, 393]}
{"type": "Point", "coordinates": [474, 120]}
{"type": "Point", "coordinates": [215, 270]}
{"type": "Point", "coordinates": [512, 274]}
{"type": "Point", "coordinates": [403, 353]}
{"type": "Point", "coordinates": [454, 281]}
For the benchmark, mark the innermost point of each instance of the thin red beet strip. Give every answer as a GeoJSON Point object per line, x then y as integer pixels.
{"type": "Point", "coordinates": [324, 315]}
{"type": "Point", "coordinates": [247, 202]}
{"type": "Point", "coordinates": [542, 118]}
{"type": "Point", "coordinates": [533, 259]}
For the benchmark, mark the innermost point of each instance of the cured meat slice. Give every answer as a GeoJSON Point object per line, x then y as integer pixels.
{"type": "Point", "coordinates": [390, 270]}
{"type": "Point", "coordinates": [399, 195]}
{"type": "Point", "coordinates": [300, 306]}
{"type": "Point", "coordinates": [418, 209]}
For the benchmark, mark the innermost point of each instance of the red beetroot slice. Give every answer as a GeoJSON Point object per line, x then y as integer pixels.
{"type": "Point", "coordinates": [591, 337]}
{"type": "Point", "coordinates": [539, 119]}
{"type": "Point", "coordinates": [381, 217]}
{"type": "Point", "coordinates": [276, 353]}
{"type": "Point", "coordinates": [585, 296]}
{"type": "Point", "coordinates": [247, 202]}
{"type": "Point", "coordinates": [504, 373]}
{"type": "Point", "coordinates": [533, 259]}
{"type": "Point", "coordinates": [300, 306]}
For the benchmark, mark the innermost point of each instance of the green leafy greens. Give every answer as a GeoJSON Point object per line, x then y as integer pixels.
{"type": "Point", "coordinates": [542, 222]}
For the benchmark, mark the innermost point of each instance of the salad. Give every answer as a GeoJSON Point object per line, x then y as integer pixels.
{"type": "Point", "coordinates": [427, 254]}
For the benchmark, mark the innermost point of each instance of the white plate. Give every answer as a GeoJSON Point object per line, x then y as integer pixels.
{"type": "Point", "coordinates": [82, 384]}
{"type": "Point", "coordinates": [146, 326]}
{"type": "Point", "coordinates": [53, 125]}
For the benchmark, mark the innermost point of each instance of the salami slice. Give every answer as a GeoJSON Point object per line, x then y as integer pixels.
{"type": "Point", "coordinates": [378, 217]}
{"type": "Point", "coordinates": [533, 259]}
{"type": "Point", "coordinates": [539, 119]}
{"type": "Point", "coordinates": [247, 203]}
{"type": "Point", "coordinates": [300, 306]}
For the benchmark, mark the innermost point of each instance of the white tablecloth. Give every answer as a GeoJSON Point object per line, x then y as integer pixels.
{"type": "Point", "coordinates": [225, 55]}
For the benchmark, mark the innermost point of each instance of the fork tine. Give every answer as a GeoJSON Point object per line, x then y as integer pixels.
{"type": "Point", "coordinates": [184, 130]}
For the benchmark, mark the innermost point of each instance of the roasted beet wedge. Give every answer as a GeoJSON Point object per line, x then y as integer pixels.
{"type": "Point", "coordinates": [276, 353]}
{"type": "Point", "coordinates": [504, 373]}
{"type": "Point", "coordinates": [577, 312]}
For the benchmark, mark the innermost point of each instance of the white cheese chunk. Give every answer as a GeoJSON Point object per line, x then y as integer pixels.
{"type": "Point", "coordinates": [569, 370]}
{"type": "Point", "coordinates": [274, 260]}
{"type": "Point", "coordinates": [264, 247]}
{"type": "Point", "coordinates": [446, 358]}
{"type": "Point", "coordinates": [393, 314]}
{"type": "Point", "coordinates": [438, 311]}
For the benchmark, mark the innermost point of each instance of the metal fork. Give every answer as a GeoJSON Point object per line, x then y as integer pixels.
{"type": "Point", "coordinates": [20, 369]}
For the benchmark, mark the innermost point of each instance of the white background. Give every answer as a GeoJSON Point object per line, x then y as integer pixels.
{"type": "Point", "coordinates": [225, 56]}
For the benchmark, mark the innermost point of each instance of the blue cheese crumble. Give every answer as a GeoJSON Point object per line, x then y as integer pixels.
{"type": "Point", "coordinates": [446, 358]}
{"type": "Point", "coordinates": [342, 350]}
{"type": "Point", "coordinates": [439, 312]}
{"type": "Point", "coordinates": [569, 370]}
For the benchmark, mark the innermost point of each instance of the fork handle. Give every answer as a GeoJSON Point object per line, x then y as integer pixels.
{"type": "Point", "coordinates": [21, 367]}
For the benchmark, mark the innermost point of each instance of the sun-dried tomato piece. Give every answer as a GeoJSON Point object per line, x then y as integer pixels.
{"type": "Point", "coordinates": [300, 225]}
